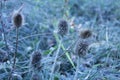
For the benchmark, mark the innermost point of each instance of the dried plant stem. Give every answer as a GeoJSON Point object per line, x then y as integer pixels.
{"type": "Point", "coordinates": [56, 56]}
{"type": "Point", "coordinates": [34, 35]}
{"type": "Point", "coordinates": [68, 49]}
{"type": "Point", "coordinates": [14, 58]}
{"type": "Point", "coordinates": [16, 49]}
{"type": "Point", "coordinates": [66, 8]}
{"type": "Point", "coordinates": [77, 68]}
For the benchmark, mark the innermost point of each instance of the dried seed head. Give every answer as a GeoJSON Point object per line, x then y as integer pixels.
{"type": "Point", "coordinates": [36, 60]}
{"type": "Point", "coordinates": [62, 27]}
{"type": "Point", "coordinates": [65, 66]}
{"type": "Point", "coordinates": [35, 77]}
{"type": "Point", "coordinates": [3, 56]}
{"type": "Point", "coordinates": [81, 48]}
{"type": "Point", "coordinates": [85, 33]}
{"type": "Point", "coordinates": [17, 19]}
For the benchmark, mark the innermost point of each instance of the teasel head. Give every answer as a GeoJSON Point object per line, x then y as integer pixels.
{"type": "Point", "coordinates": [81, 48]}
{"type": "Point", "coordinates": [36, 60]}
{"type": "Point", "coordinates": [62, 27]}
{"type": "Point", "coordinates": [17, 19]}
{"type": "Point", "coordinates": [85, 33]}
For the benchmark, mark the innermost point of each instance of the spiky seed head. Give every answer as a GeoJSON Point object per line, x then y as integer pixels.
{"type": "Point", "coordinates": [17, 19]}
{"type": "Point", "coordinates": [81, 48]}
{"type": "Point", "coordinates": [35, 77]}
{"type": "Point", "coordinates": [86, 33]}
{"type": "Point", "coordinates": [65, 66]}
{"type": "Point", "coordinates": [62, 27]}
{"type": "Point", "coordinates": [36, 60]}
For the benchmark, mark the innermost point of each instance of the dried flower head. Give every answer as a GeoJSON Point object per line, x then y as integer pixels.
{"type": "Point", "coordinates": [65, 66]}
{"type": "Point", "coordinates": [81, 48]}
{"type": "Point", "coordinates": [17, 19]}
{"type": "Point", "coordinates": [3, 56]}
{"type": "Point", "coordinates": [36, 60]}
{"type": "Point", "coordinates": [85, 33]}
{"type": "Point", "coordinates": [62, 27]}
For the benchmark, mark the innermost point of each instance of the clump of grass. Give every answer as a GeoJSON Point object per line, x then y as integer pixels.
{"type": "Point", "coordinates": [35, 77]}
{"type": "Point", "coordinates": [3, 56]}
{"type": "Point", "coordinates": [16, 77]}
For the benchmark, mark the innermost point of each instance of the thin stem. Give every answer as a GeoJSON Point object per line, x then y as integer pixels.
{"type": "Point", "coordinates": [77, 68]}
{"type": "Point", "coordinates": [66, 53]}
{"type": "Point", "coordinates": [16, 49]}
{"type": "Point", "coordinates": [107, 35]}
{"type": "Point", "coordinates": [66, 8]}
{"type": "Point", "coordinates": [33, 35]}
{"type": "Point", "coordinates": [56, 56]}
{"type": "Point", "coordinates": [14, 58]}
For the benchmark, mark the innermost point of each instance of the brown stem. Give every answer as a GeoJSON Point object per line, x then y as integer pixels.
{"type": "Point", "coordinates": [16, 49]}
{"type": "Point", "coordinates": [14, 58]}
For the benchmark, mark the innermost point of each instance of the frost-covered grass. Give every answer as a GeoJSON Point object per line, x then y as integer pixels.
{"type": "Point", "coordinates": [102, 61]}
